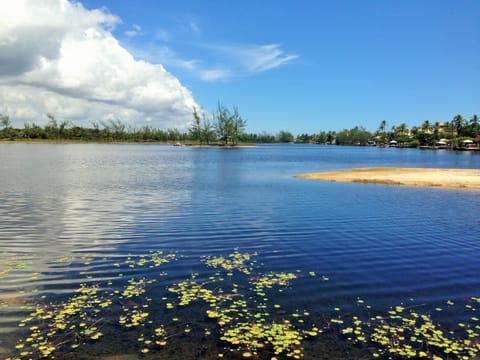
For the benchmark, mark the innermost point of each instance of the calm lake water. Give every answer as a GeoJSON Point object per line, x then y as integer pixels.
{"type": "Point", "coordinates": [85, 214]}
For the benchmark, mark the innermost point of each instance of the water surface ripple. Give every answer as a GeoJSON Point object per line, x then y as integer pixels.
{"type": "Point", "coordinates": [71, 211]}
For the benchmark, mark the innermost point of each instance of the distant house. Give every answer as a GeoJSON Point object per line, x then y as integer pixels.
{"type": "Point", "coordinates": [441, 128]}
{"type": "Point", "coordinates": [444, 127]}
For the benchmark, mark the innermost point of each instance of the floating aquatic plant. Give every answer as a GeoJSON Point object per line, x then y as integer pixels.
{"type": "Point", "coordinates": [79, 319]}
{"type": "Point", "coordinates": [235, 261]}
{"type": "Point", "coordinates": [57, 324]}
{"type": "Point", "coordinates": [190, 291]}
{"type": "Point", "coordinates": [408, 333]}
{"type": "Point", "coordinates": [153, 259]}
{"type": "Point", "coordinates": [237, 309]}
{"type": "Point", "coordinates": [269, 280]}
{"type": "Point", "coordinates": [244, 317]}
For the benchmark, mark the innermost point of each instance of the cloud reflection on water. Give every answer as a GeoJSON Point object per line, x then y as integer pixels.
{"type": "Point", "coordinates": [61, 205]}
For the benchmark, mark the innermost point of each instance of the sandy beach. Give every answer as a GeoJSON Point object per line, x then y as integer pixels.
{"type": "Point", "coordinates": [459, 179]}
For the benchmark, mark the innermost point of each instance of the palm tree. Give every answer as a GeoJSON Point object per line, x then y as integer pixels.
{"type": "Point", "coordinates": [436, 130]}
{"type": "Point", "coordinates": [401, 132]}
{"type": "Point", "coordinates": [381, 131]}
{"type": "Point", "coordinates": [475, 124]}
{"type": "Point", "coordinates": [458, 123]}
{"type": "Point", "coordinates": [382, 127]}
{"type": "Point", "coordinates": [403, 128]}
{"type": "Point", "coordinates": [426, 126]}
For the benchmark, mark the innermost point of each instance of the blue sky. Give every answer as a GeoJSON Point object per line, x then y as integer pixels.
{"type": "Point", "coordinates": [307, 66]}
{"type": "Point", "coordinates": [337, 63]}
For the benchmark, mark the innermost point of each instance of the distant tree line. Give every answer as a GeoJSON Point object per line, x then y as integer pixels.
{"type": "Point", "coordinates": [227, 127]}
{"type": "Point", "coordinates": [111, 131]}
{"type": "Point", "coordinates": [428, 134]}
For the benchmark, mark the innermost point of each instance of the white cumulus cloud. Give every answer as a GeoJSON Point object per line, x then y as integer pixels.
{"type": "Point", "coordinates": [58, 57]}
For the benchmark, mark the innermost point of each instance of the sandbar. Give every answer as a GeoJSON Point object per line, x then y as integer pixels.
{"type": "Point", "coordinates": [458, 179]}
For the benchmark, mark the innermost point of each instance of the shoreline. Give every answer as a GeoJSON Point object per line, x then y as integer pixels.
{"type": "Point", "coordinates": [116, 142]}
{"type": "Point", "coordinates": [454, 179]}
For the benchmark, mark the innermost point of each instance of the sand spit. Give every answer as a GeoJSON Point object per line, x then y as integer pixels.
{"type": "Point", "coordinates": [458, 179]}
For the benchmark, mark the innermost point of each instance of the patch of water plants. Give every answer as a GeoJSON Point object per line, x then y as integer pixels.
{"type": "Point", "coordinates": [238, 306]}
{"type": "Point", "coordinates": [237, 301]}
{"type": "Point", "coordinates": [408, 333]}
{"type": "Point", "coordinates": [54, 327]}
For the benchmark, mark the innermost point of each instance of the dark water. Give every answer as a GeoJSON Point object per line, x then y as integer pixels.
{"type": "Point", "coordinates": [73, 214]}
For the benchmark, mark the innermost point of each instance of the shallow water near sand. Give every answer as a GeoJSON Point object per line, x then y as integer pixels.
{"type": "Point", "coordinates": [73, 214]}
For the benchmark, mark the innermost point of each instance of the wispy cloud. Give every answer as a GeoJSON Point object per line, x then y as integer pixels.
{"type": "Point", "coordinates": [166, 56]}
{"type": "Point", "coordinates": [194, 27]}
{"type": "Point", "coordinates": [183, 47]}
{"type": "Point", "coordinates": [239, 60]}
{"type": "Point", "coordinates": [135, 31]}
{"type": "Point", "coordinates": [257, 58]}
{"type": "Point", "coordinates": [213, 62]}
{"type": "Point", "coordinates": [187, 25]}
{"type": "Point", "coordinates": [215, 74]}
{"type": "Point", "coordinates": [163, 35]}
